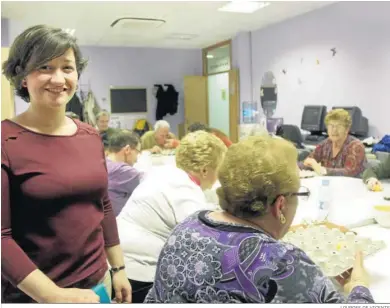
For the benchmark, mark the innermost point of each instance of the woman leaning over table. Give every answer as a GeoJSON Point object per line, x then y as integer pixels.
{"type": "Point", "coordinates": [57, 224]}
{"type": "Point", "coordinates": [165, 198]}
{"type": "Point", "coordinates": [236, 256]}
{"type": "Point", "coordinates": [340, 154]}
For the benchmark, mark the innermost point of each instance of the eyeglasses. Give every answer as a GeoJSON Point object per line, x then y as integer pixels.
{"type": "Point", "coordinates": [303, 193]}
{"type": "Point", "coordinates": [335, 126]}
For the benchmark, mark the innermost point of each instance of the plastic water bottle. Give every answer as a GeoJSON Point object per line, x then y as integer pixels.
{"type": "Point", "coordinates": [324, 199]}
{"type": "Point", "coordinates": [262, 120]}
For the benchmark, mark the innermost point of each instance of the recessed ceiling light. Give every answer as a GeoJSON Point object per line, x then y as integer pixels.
{"type": "Point", "coordinates": [69, 31]}
{"type": "Point", "coordinates": [243, 6]}
{"type": "Point", "coordinates": [181, 36]}
{"type": "Point", "coordinates": [209, 56]}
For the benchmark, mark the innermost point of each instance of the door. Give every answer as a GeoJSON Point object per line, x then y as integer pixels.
{"type": "Point", "coordinates": [218, 102]}
{"type": "Point", "coordinates": [7, 96]}
{"type": "Point", "coordinates": [223, 103]}
{"type": "Point", "coordinates": [195, 100]}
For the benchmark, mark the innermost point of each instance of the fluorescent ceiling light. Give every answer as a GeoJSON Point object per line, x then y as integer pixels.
{"type": "Point", "coordinates": [209, 56]}
{"type": "Point", "coordinates": [243, 6]}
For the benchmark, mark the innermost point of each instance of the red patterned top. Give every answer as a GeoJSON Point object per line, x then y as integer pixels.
{"type": "Point", "coordinates": [350, 161]}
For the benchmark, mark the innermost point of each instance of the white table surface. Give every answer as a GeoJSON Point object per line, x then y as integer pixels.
{"type": "Point", "coordinates": [352, 203]}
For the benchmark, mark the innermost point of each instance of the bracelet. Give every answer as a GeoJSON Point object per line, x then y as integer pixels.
{"type": "Point", "coordinates": [117, 269]}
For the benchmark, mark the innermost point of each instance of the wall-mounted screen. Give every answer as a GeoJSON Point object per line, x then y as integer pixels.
{"type": "Point", "coordinates": [128, 100]}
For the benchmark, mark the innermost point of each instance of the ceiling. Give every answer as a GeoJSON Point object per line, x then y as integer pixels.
{"type": "Point", "coordinates": [188, 24]}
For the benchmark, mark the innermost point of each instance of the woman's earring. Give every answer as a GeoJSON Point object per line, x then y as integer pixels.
{"type": "Point", "coordinates": [282, 219]}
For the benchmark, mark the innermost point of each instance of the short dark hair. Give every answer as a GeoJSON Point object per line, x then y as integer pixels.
{"type": "Point", "coordinates": [121, 138]}
{"type": "Point", "coordinates": [34, 47]}
{"type": "Point", "coordinates": [198, 126]}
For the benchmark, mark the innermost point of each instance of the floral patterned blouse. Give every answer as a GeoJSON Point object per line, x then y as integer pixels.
{"type": "Point", "coordinates": [205, 261]}
{"type": "Point", "coordinates": [350, 161]}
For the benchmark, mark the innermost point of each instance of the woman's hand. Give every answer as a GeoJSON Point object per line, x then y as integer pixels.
{"type": "Point", "coordinates": [169, 144]}
{"type": "Point", "coordinates": [359, 276]}
{"type": "Point", "coordinates": [122, 287]}
{"type": "Point", "coordinates": [72, 296]}
{"type": "Point", "coordinates": [312, 163]}
{"type": "Point", "coordinates": [156, 149]}
{"type": "Point", "coordinates": [309, 162]}
{"type": "Point", "coordinates": [373, 184]}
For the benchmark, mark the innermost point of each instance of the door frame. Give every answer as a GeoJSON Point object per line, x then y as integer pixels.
{"type": "Point", "coordinates": [7, 91]}
{"type": "Point", "coordinates": [212, 47]}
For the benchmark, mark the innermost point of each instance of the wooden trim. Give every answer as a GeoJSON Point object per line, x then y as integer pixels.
{"type": "Point", "coordinates": [234, 94]}
{"type": "Point", "coordinates": [7, 91]}
{"type": "Point", "coordinates": [221, 72]}
{"type": "Point", "coordinates": [204, 62]}
{"type": "Point", "coordinates": [212, 47]}
{"type": "Point", "coordinates": [220, 44]}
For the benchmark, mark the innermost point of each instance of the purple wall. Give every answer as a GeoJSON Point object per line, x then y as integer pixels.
{"type": "Point", "coordinates": [242, 60]}
{"type": "Point", "coordinates": [359, 74]}
{"type": "Point", "coordinates": [140, 67]}
{"type": "Point", "coordinates": [133, 67]}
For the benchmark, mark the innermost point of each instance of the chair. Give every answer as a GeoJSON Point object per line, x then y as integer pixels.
{"type": "Point", "coordinates": [291, 133]}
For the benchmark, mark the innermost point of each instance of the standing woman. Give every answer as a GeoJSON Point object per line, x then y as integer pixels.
{"type": "Point", "coordinates": [57, 223]}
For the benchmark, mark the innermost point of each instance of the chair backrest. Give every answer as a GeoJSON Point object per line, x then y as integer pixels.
{"type": "Point", "coordinates": [141, 126]}
{"type": "Point", "coordinates": [291, 133]}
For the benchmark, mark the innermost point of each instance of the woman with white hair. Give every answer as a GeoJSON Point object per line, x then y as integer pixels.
{"type": "Point", "coordinates": [164, 199]}
{"type": "Point", "coordinates": [159, 139]}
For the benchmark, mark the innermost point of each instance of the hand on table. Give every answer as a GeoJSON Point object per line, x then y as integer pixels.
{"type": "Point", "coordinates": [359, 276]}
{"type": "Point", "coordinates": [312, 163]}
{"type": "Point", "coordinates": [156, 149]}
{"type": "Point", "coordinates": [169, 144]}
{"type": "Point", "coordinates": [373, 184]}
{"type": "Point", "coordinates": [73, 296]}
{"type": "Point", "coordinates": [122, 287]}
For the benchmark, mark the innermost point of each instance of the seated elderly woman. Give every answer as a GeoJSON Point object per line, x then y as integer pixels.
{"type": "Point", "coordinates": [340, 154]}
{"type": "Point", "coordinates": [122, 153]}
{"type": "Point", "coordinates": [236, 256]}
{"type": "Point", "coordinates": [372, 175]}
{"type": "Point", "coordinates": [165, 198]}
{"type": "Point", "coordinates": [159, 139]}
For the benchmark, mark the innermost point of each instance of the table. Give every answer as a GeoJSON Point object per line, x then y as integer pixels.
{"type": "Point", "coordinates": [352, 203]}
{"type": "Point", "coordinates": [377, 265]}
{"type": "Point", "coordinates": [148, 162]}
{"type": "Point", "coordinates": [352, 206]}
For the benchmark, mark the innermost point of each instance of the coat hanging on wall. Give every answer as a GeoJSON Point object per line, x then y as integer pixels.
{"type": "Point", "coordinates": [167, 101]}
{"type": "Point", "coordinates": [91, 109]}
